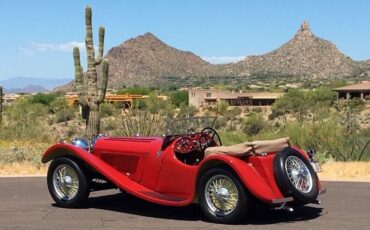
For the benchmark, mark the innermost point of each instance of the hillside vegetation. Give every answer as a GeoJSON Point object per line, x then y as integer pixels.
{"type": "Point", "coordinates": [339, 130]}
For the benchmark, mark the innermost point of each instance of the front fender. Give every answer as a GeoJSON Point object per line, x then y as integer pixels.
{"type": "Point", "coordinates": [61, 149]}
{"type": "Point", "coordinates": [249, 176]}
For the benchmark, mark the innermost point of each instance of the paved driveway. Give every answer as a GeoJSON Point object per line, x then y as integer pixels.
{"type": "Point", "coordinates": [25, 204]}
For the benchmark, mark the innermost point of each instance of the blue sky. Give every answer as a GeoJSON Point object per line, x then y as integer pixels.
{"type": "Point", "coordinates": [37, 36]}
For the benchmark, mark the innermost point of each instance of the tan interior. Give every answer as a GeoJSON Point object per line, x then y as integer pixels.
{"type": "Point", "coordinates": [247, 148]}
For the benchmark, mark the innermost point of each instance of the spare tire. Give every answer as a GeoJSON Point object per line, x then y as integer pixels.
{"type": "Point", "coordinates": [295, 176]}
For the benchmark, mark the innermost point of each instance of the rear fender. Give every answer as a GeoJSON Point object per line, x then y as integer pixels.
{"type": "Point", "coordinates": [249, 176]}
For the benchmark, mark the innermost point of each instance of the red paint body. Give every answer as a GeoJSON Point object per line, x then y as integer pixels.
{"type": "Point", "coordinates": [139, 166]}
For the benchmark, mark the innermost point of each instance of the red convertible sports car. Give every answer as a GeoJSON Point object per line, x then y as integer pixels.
{"type": "Point", "coordinates": [178, 170]}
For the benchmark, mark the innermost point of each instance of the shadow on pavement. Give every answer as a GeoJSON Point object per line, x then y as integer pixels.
{"type": "Point", "coordinates": [259, 215]}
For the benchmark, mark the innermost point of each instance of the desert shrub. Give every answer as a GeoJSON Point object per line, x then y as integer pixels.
{"type": "Point", "coordinates": [322, 96]}
{"type": "Point", "coordinates": [232, 137]}
{"type": "Point", "coordinates": [222, 108]}
{"type": "Point", "coordinates": [187, 111]}
{"type": "Point", "coordinates": [72, 131]}
{"type": "Point", "coordinates": [109, 125]}
{"type": "Point", "coordinates": [138, 90]}
{"type": "Point", "coordinates": [295, 101]}
{"type": "Point", "coordinates": [25, 121]}
{"type": "Point", "coordinates": [254, 124]}
{"type": "Point", "coordinates": [220, 123]}
{"type": "Point", "coordinates": [22, 151]}
{"type": "Point", "coordinates": [58, 104]}
{"type": "Point", "coordinates": [43, 98]}
{"type": "Point", "coordinates": [139, 122]}
{"type": "Point", "coordinates": [236, 111]}
{"type": "Point", "coordinates": [139, 103]}
{"type": "Point", "coordinates": [155, 105]}
{"type": "Point", "coordinates": [106, 109]}
{"type": "Point", "coordinates": [64, 115]}
{"type": "Point", "coordinates": [180, 97]}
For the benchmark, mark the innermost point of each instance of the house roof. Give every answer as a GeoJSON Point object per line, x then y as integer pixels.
{"type": "Point", "coordinates": [363, 86]}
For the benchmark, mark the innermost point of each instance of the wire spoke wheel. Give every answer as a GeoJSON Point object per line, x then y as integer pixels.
{"type": "Point", "coordinates": [65, 182]}
{"type": "Point", "coordinates": [298, 174]}
{"type": "Point", "coordinates": [221, 194]}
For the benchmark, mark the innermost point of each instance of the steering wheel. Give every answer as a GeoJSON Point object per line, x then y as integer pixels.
{"type": "Point", "coordinates": [209, 135]}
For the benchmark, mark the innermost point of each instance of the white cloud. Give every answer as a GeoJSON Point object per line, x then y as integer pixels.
{"type": "Point", "coordinates": [37, 47]}
{"type": "Point", "coordinates": [223, 60]}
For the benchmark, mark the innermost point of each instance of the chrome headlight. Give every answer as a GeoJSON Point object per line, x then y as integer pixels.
{"type": "Point", "coordinates": [81, 143]}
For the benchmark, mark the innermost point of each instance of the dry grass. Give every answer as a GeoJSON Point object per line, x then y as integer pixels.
{"type": "Point", "coordinates": [359, 171]}
{"type": "Point", "coordinates": [22, 169]}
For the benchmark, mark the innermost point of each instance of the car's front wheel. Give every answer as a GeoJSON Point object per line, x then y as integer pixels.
{"type": "Point", "coordinates": [222, 197]}
{"type": "Point", "coordinates": [67, 183]}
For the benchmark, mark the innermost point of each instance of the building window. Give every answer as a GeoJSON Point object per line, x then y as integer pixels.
{"type": "Point", "coordinates": [208, 95]}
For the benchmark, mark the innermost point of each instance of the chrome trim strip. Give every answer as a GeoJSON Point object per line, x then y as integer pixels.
{"type": "Point", "coordinates": [282, 200]}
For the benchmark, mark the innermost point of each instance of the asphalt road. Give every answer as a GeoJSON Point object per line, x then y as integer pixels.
{"type": "Point", "coordinates": [25, 204]}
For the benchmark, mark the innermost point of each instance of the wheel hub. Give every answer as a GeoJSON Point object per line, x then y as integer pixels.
{"type": "Point", "coordinates": [221, 195]}
{"type": "Point", "coordinates": [65, 182]}
{"type": "Point", "coordinates": [298, 174]}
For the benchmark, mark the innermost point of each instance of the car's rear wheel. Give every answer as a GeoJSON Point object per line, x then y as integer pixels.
{"type": "Point", "coordinates": [67, 183]}
{"type": "Point", "coordinates": [295, 176]}
{"type": "Point", "coordinates": [222, 197]}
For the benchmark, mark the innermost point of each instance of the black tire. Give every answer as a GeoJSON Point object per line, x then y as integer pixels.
{"type": "Point", "coordinates": [234, 215]}
{"type": "Point", "coordinates": [309, 193]}
{"type": "Point", "coordinates": [58, 193]}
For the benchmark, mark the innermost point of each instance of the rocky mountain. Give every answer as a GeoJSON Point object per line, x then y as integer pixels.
{"type": "Point", "coordinates": [24, 82]}
{"type": "Point", "coordinates": [146, 60]}
{"type": "Point", "coordinates": [304, 55]}
{"type": "Point", "coordinates": [27, 89]}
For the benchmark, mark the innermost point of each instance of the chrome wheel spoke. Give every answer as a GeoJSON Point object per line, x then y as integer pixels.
{"type": "Point", "coordinates": [65, 181]}
{"type": "Point", "coordinates": [221, 194]}
{"type": "Point", "coordinates": [298, 174]}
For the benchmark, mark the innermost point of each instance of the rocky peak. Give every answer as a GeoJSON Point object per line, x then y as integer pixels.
{"type": "Point", "coordinates": [304, 31]}
{"type": "Point", "coordinates": [147, 40]}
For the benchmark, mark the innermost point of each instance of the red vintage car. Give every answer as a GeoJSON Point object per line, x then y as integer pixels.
{"type": "Point", "coordinates": [178, 170]}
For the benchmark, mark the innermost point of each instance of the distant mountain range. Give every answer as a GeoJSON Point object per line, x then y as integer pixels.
{"type": "Point", "coordinates": [30, 85]}
{"type": "Point", "coordinates": [146, 60]}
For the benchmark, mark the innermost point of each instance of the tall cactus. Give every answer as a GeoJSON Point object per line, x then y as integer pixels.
{"type": "Point", "coordinates": [91, 98]}
{"type": "Point", "coordinates": [1, 105]}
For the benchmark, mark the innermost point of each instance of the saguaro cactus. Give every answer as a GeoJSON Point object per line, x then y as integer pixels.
{"type": "Point", "coordinates": [89, 94]}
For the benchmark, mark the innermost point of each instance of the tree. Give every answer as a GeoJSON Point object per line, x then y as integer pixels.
{"type": "Point", "coordinates": [180, 97]}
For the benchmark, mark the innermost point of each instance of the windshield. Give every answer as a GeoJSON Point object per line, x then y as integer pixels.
{"type": "Point", "coordinates": [142, 123]}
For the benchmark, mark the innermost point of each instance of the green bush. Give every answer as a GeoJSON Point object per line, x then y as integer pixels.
{"type": "Point", "coordinates": [322, 96]}
{"type": "Point", "coordinates": [43, 98]}
{"type": "Point", "coordinates": [254, 124]}
{"type": "Point", "coordinates": [187, 111]}
{"type": "Point", "coordinates": [137, 90]}
{"type": "Point", "coordinates": [106, 109]}
{"type": "Point", "coordinates": [58, 104]}
{"type": "Point", "coordinates": [64, 115]}
{"type": "Point", "coordinates": [25, 121]}
{"type": "Point", "coordinates": [232, 137]}
{"type": "Point", "coordinates": [294, 101]}
{"type": "Point", "coordinates": [180, 97]}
